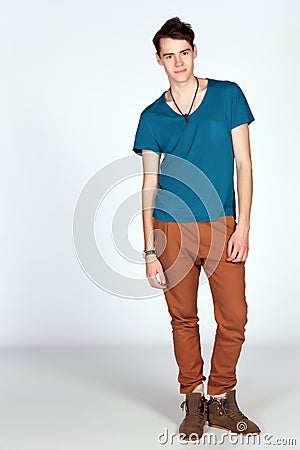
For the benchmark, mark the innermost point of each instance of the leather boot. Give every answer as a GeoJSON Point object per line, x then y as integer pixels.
{"type": "Point", "coordinates": [224, 413]}
{"type": "Point", "coordinates": [191, 428]}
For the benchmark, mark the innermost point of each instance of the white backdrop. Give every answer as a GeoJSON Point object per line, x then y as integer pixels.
{"type": "Point", "coordinates": [75, 77]}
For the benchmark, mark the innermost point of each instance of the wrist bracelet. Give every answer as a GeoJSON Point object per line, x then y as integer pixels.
{"type": "Point", "coordinates": [148, 262]}
{"type": "Point", "coordinates": [148, 252]}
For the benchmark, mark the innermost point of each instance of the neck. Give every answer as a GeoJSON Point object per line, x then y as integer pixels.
{"type": "Point", "coordinates": [185, 88]}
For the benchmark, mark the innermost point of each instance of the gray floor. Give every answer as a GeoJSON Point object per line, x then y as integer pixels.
{"type": "Point", "coordinates": [124, 398]}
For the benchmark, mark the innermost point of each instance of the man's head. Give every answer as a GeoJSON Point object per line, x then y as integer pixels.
{"type": "Point", "coordinates": [175, 48]}
{"type": "Point", "coordinates": [175, 29]}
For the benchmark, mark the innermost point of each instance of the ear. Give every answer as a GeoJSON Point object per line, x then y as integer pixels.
{"type": "Point", "coordinates": [195, 51]}
{"type": "Point", "coordinates": [158, 59]}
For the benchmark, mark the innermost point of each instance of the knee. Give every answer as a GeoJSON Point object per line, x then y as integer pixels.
{"type": "Point", "coordinates": [233, 321]}
{"type": "Point", "coordinates": [185, 322]}
{"type": "Point", "coordinates": [240, 316]}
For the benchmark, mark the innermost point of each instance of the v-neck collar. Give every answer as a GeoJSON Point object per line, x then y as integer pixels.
{"type": "Point", "coordinates": [163, 98]}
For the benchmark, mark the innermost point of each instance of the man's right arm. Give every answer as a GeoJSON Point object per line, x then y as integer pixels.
{"type": "Point", "coordinates": [151, 162]}
{"type": "Point", "coordinates": [150, 184]}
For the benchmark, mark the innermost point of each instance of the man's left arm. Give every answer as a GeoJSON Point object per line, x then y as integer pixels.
{"type": "Point", "coordinates": [238, 244]}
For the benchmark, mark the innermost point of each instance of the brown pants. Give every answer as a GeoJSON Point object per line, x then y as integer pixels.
{"type": "Point", "coordinates": [182, 249]}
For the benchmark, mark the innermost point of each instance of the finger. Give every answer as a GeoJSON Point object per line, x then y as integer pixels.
{"type": "Point", "coordinates": [246, 254]}
{"type": "Point", "coordinates": [243, 255]}
{"type": "Point", "coordinates": [234, 253]}
{"type": "Point", "coordinates": [161, 283]}
{"type": "Point", "coordinates": [155, 283]}
{"type": "Point", "coordinates": [162, 277]}
{"type": "Point", "coordinates": [235, 257]}
{"type": "Point", "coordinates": [239, 257]}
{"type": "Point", "coordinates": [229, 247]}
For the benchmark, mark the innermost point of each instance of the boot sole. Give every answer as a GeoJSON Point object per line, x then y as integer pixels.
{"type": "Point", "coordinates": [225, 428]}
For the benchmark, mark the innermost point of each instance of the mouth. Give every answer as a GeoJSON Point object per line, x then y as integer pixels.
{"type": "Point", "coordinates": [181, 71]}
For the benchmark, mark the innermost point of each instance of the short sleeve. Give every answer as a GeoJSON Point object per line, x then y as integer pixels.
{"type": "Point", "coordinates": [145, 138]}
{"type": "Point", "coordinates": [240, 110]}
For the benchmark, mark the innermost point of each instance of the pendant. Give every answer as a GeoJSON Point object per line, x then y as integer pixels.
{"type": "Point", "coordinates": [186, 118]}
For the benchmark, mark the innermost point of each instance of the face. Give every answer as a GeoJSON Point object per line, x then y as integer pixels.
{"type": "Point", "coordinates": [177, 58]}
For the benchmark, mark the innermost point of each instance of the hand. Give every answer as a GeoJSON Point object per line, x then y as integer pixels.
{"type": "Point", "coordinates": [238, 244]}
{"type": "Point", "coordinates": [153, 268]}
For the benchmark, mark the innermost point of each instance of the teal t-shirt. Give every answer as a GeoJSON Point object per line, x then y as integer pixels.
{"type": "Point", "coordinates": [196, 175]}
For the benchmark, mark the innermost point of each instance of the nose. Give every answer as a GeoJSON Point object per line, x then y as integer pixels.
{"type": "Point", "coordinates": [178, 61]}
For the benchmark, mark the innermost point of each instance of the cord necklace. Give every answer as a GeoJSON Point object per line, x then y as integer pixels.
{"type": "Point", "coordinates": [186, 115]}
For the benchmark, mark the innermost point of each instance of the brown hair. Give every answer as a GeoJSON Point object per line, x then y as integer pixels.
{"type": "Point", "coordinates": [175, 29]}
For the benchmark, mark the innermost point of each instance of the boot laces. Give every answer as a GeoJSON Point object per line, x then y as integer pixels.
{"type": "Point", "coordinates": [194, 414]}
{"type": "Point", "coordinates": [234, 414]}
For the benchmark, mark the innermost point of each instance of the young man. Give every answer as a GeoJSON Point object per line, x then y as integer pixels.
{"type": "Point", "coordinates": [189, 221]}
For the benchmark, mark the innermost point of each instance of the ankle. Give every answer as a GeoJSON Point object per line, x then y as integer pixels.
{"type": "Point", "coordinates": [218, 396]}
{"type": "Point", "coordinates": [199, 389]}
